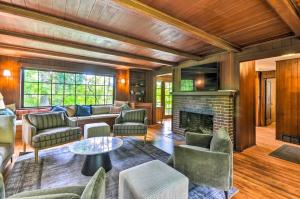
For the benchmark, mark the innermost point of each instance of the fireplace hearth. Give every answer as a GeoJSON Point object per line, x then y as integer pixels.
{"type": "Point", "coordinates": [196, 122]}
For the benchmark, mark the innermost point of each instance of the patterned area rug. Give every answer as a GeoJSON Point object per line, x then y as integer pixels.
{"type": "Point", "coordinates": [59, 167]}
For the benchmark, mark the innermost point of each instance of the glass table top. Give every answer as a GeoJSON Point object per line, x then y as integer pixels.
{"type": "Point", "coordinates": [95, 145]}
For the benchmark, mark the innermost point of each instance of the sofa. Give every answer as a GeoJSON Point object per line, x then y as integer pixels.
{"type": "Point", "coordinates": [7, 139]}
{"type": "Point", "coordinates": [95, 189]}
{"type": "Point", "coordinates": [206, 159]}
{"type": "Point", "coordinates": [45, 130]}
{"type": "Point", "coordinates": [131, 123]}
{"type": "Point", "coordinates": [103, 113]}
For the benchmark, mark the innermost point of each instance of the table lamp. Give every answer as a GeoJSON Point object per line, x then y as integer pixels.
{"type": "Point", "coordinates": [2, 105]}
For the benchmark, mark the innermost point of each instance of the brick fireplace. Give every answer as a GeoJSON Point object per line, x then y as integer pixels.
{"type": "Point", "coordinates": [207, 111]}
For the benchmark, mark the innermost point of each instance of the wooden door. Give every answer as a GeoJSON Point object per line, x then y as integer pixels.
{"type": "Point", "coordinates": [268, 110]}
{"type": "Point", "coordinates": [246, 135]}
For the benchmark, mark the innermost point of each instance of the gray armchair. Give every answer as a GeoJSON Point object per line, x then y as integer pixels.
{"type": "Point", "coordinates": [7, 139]}
{"type": "Point", "coordinates": [131, 123]}
{"type": "Point", "coordinates": [95, 189]}
{"type": "Point", "coordinates": [206, 159]}
{"type": "Point", "coordinates": [45, 130]}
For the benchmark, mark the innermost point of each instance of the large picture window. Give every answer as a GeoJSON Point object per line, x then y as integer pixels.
{"type": "Point", "coordinates": [47, 88]}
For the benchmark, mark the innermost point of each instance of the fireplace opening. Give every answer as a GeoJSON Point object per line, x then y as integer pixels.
{"type": "Point", "coordinates": [196, 122]}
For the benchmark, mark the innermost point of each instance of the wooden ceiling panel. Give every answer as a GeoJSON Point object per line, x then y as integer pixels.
{"type": "Point", "coordinates": [106, 14]}
{"type": "Point", "coordinates": [226, 17]}
{"type": "Point", "coordinates": [31, 55]}
{"type": "Point", "coordinates": [44, 46]}
{"type": "Point", "coordinates": [20, 24]}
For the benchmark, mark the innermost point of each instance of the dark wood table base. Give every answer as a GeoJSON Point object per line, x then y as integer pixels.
{"type": "Point", "coordinates": [93, 162]}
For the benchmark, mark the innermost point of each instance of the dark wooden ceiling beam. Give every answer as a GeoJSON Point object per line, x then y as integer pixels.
{"type": "Point", "coordinates": [286, 10]}
{"type": "Point", "coordinates": [71, 56]}
{"type": "Point", "coordinates": [195, 31]}
{"type": "Point", "coordinates": [81, 46]}
{"type": "Point", "coordinates": [19, 11]}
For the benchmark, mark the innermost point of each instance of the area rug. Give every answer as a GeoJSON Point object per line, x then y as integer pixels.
{"type": "Point", "coordinates": [287, 152]}
{"type": "Point", "coordinates": [59, 167]}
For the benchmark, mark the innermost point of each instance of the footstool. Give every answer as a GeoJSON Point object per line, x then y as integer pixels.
{"type": "Point", "coordinates": [154, 180]}
{"type": "Point", "coordinates": [96, 130]}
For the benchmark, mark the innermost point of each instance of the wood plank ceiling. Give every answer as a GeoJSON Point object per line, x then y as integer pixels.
{"type": "Point", "coordinates": [107, 32]}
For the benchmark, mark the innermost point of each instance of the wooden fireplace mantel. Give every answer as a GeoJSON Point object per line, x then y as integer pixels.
{"type": "Point", "coordinates": [207, 93]}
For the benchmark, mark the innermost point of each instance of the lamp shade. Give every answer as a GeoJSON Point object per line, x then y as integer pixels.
{"type": "Point", "coordinates": [2, 105]}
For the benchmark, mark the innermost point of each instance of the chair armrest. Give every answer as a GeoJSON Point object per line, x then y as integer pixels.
{"type": "Point", "coordinates": [197, 139]}
{"type": "Point", "coordinates": [52, 191]}
{"type": "Point", "coordinates": [28, 131]}
{"type": "Point", "coordinates": [71, 123]}
{"type": "Point", "coordinates": [7, 129]}
{"type": "Point", "coordinates": [204, 167]}
{"type": "Point", "coordinates": [118, 119]}
{"type": "Point", "coordinates": [146, 121]}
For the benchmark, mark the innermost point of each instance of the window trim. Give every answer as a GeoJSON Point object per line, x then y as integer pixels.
{"type": "Point", "coordinates": [71, 72]}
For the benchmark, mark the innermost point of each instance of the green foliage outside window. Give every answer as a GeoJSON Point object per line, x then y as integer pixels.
{"type": "Point", "coordinates": [158, 93]}
{"type": "Point", "coordinates": [168, 98]}
{"type": "Point", "coordinates": [187, 85]}
{"type": "Point", "coordinates": [46, 88]}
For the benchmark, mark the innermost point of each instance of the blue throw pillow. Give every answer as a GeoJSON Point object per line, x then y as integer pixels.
{"type": "Point", "coordinates": [6, 111]}
{"type": "Point", "coordinates": [58, 109]}
{"type": "Point", "coordinates": [83, 110]}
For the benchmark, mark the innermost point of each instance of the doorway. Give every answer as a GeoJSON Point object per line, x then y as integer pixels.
{"type": "Point", "coordinates": [163, 96]}
{"type": "Point", "coordinates": [269, 101]}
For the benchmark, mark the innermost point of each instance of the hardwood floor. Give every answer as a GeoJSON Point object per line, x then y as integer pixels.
{"type": "Point", "coordinates": [256, 174]}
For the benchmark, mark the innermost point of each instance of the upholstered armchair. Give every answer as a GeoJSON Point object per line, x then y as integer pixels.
{"type": "Point", "coordinates": [206, 159]}
{"type": "Point", "coordinates": [45, 130]}
{"type": "Point", "coordinates": [7, 139]}
{"type": "Point", "coordinates": [131, 123]}
{"type": "Point", "coordinates": [95, 189]}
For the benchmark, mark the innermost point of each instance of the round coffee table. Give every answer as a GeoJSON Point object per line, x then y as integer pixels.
{"type": "Point", "coordinates": [97, 151]}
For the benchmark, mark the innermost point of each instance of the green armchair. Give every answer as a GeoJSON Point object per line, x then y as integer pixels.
{"type": "Point", "coordinates": [206, 159]}
{"type": "Point", "coordinates": [7, 139]}
{"type": "Point", "coordinates": [131, 123]}
{"type": "Point", "coordinates": [45, 130]}
{"type": "Point", "coordinates": [95, 189]}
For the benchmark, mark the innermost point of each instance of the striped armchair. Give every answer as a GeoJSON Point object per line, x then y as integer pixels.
{"type": "Point", "coordinates": [45, 130]}
{"type": "Point", "coordinates": [131, 123]}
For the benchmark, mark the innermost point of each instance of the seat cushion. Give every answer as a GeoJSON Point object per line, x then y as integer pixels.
{"type": "Point", "coordinates": [129, 128]}
{"type": "Point", "coordinates": [55, 136]}
{"type": "Point", "coordinates": [47, 120]}
{"type": "Point", "coordinates": [97, 110]}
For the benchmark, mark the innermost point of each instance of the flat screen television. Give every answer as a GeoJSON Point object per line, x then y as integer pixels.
{"type": "Point", "coordinates": [201, 77]}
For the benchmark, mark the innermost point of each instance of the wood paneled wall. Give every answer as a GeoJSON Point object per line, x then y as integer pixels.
{"type": "Point", "coordinates": [246, 115]}
{"type": "Point", "coordinates": [10, 86]}
{"type": "Point", "coordinates": [288, 99]}
{"type": "Point", "coordinates": [122, 89]}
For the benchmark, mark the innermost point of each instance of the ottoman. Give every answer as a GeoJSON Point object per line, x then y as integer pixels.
{"type": "Point", "coordinates": [96, 130]}
{"type": "Point", "coordinates": [152, 180]}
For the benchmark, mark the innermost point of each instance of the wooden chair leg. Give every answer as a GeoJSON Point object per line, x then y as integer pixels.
{"type": "Point", "coordinates": [36, 155]}
{"type": "Point", "coordinates": [24, 147]}
{"type": "Point", "coordinates": [226, 194]}
{"type": "Point", "coordinates": [145, 139]}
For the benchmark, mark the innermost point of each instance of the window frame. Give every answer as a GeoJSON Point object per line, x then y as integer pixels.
{"type": "Point", "coordinates": [105, 75]}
